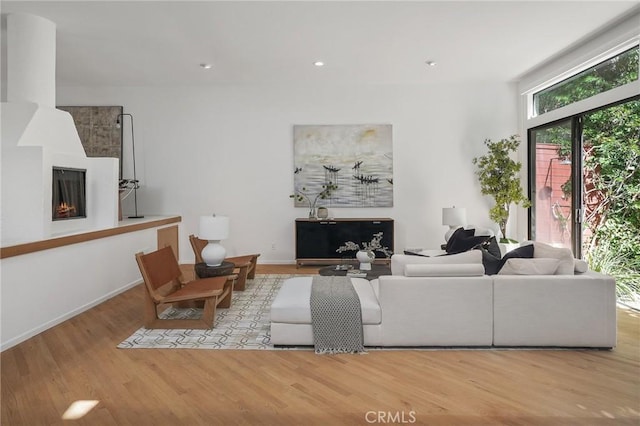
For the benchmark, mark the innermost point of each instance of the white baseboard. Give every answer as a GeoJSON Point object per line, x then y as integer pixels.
{"type": "Point", "coordinates": [49, 324]}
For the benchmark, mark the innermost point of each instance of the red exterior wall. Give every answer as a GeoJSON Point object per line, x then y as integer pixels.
{"type": "Point", "coordinates": [551, 203]}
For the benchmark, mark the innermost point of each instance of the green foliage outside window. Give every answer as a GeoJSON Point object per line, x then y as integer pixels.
{"type": "Point", "coordinates": [615, 72]}
{"type": "Point", "coordinates": [612, 176]}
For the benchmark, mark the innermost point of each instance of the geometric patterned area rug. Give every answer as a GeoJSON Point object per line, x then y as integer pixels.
{"type": "Point", "coordinates": [245, 325]}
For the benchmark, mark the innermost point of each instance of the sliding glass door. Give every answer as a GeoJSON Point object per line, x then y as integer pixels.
{"type": "Point", "coordinates": [552, 163]}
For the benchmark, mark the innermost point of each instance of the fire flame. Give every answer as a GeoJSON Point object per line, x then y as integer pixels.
{"type": "Point", "coordinates": [65, 210]}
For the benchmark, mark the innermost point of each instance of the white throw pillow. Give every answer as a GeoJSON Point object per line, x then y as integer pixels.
{"type": "Point", "coordinates": [453, 270]}
{"type": "Point", "coordinates": [399, 261]}
{"type": "Point", "coordinates": [564, 255]}
{"type": "Point", "coordinates": [535, 266]}
{"type": "Point", "coordinates": [580, 266]}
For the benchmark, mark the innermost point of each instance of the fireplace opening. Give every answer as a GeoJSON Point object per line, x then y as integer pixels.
{"type": "Point", "coordinates": [69, 194]}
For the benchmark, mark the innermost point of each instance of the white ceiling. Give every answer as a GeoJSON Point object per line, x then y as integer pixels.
{"type": "Point", "coordinates": [385, 42]}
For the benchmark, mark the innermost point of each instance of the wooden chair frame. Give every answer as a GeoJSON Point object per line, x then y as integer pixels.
{"type": "Point", "coordinates": [245, 265]}
{"type": "Point", "coordinates": [164, 284]}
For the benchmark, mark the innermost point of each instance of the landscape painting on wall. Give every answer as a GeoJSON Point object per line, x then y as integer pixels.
{"type": "Point", "coordinates": [358, 159]}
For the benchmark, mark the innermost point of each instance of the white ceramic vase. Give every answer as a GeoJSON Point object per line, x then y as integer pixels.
{"type": "Point", "coordinates": [365, 258]}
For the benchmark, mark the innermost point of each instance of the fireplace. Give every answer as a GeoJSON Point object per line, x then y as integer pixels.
{"type": "Point", "coordinates": [69, 194]}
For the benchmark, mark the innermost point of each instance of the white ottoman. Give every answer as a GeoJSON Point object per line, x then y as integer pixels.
{"type": "Point", "coordinates": [291, 312]}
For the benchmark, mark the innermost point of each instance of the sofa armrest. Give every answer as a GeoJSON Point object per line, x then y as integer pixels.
{"type": "Point", "coordinates": [555, 310]}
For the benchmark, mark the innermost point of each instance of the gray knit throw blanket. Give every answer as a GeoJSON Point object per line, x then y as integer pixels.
{"type": "Point", "coordinates": [336, 316]}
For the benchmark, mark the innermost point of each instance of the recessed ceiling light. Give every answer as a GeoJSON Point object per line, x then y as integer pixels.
{"type": "Point", "coordinates": [431, 63]}
{"type": "Point", "coordinates": [206, 66]}
{"type": "Point", "coordinates": [318, 63]}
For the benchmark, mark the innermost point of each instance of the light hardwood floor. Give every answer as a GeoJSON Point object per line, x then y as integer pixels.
{"type": "Point", "coordinates": [78, 360]}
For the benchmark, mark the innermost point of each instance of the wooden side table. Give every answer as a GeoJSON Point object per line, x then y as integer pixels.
{"type": "Point", "coordinates": [205, 271]}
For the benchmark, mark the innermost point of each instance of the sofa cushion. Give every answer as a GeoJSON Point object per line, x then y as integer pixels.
{"type": "Point", "coordinates": [464, 240]}
{"type": "Point", "coordinates": [451, 270]}
{"type": "Point", "coordinates": [399, 261]}
{"type": "Point", "coordinates": [564, 255]}
{"type": "Point", "coordinates": [493, 264]}
{"type": "Point", "coordinates": [291, 304]}
{"type": "Point", "coordinates": [536, 266]}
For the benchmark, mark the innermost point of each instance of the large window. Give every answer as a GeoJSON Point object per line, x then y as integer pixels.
{"type": "Point", "coordinates": [607, 75]}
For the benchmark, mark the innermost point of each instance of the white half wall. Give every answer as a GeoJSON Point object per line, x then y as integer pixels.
{"type": "Point", "coordinates": [229, 150]}
{"type": "Point", "coordinates": [45, 288]}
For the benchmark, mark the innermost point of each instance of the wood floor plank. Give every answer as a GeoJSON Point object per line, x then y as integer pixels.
{"type": "Point", "coordinates": [78, 359]}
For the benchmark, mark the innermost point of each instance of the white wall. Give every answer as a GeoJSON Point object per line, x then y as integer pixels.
{"type": "Point", "coordinates": [229, 150]}
{"type": "Point", "coordinates": [45, 288]}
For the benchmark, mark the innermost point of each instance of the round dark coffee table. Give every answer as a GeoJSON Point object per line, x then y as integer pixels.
{"type": "Point", "coordinates": [375, 272]}
{"type": "Point", "coordinates": [204, 271]}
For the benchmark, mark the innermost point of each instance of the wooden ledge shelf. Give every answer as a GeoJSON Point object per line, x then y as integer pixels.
{"type": "Point", "coordinates": [130, 226]}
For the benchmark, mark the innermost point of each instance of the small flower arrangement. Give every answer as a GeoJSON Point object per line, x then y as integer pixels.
{"type": "Point", "coordinates": [303, 194]}
{"type": "Point", "coordinates": [370, 247]}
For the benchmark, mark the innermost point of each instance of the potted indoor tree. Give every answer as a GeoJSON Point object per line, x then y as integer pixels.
{"type": "Point", "coordinates": [499, 177]}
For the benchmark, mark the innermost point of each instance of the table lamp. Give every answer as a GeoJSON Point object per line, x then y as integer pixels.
{"type": "Point", "coordinates": [213, 229]}
{"type": "Point", "coordinates": [455, 217]}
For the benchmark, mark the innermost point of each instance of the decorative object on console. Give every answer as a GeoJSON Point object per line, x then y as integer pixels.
{"type": "Point", "coordinates": [499, 177]}
{"type": "Point", "coordinates": [359, 157]}
{"type": "Point", "coordinates": [213, 229]}
{"type": "Point", "coordinates": [323, 213]}
{"type": "Point", "coordinates": [303, 194]}
{"type": "Point", "coordinates": [134, 183]}
{"type": "Point", "coordinates": [454, 217]}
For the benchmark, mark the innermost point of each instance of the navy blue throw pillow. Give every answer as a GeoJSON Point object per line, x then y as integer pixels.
{"type": "Point", "coordinates": [413, 253]}
{"type": "Point", "coordinates": [464, 240]}
{"type": "Point", "coordinates": [491, 245]}
{"type": "Point", "coordinates": [493, 264]}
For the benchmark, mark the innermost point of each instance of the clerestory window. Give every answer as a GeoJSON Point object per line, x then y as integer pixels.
{"type": "Point", "coordinates": [614, 72]}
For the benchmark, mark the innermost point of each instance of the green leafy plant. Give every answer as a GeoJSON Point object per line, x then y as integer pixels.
{"type": "Point", "coordinates": [499, 177]}
{"type": "Point", "coordinates": [608, 259]}
{"type": "Point", "coordinates": [313, 197]}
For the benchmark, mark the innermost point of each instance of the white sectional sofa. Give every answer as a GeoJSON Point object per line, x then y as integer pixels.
{"type": "Point", "coordinates": [427, 303]}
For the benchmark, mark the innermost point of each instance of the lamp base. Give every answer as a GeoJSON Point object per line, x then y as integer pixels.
{"type": "Point", "coordinates": [135, 217]}
{"type": "Point", "coordinates": [213, 253]}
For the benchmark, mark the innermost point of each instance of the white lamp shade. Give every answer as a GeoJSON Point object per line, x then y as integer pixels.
{"type": "Point", "coordinates": [213, 228]}
{"type": "Point", "coordinates": [454, 216]}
